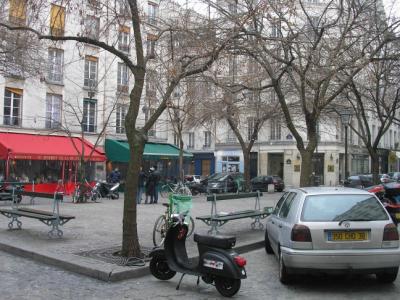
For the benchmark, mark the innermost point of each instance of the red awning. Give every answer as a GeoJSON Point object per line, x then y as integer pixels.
{"type": "Point", "coordinates": [46, 147]}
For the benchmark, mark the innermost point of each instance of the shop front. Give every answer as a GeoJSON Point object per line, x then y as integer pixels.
{"type": "Point", "coordinates": [229, 161]}
{"type": "Point", "coordinates": [43, 160]}
{"type": "Point", "coordinates": [162, 155]}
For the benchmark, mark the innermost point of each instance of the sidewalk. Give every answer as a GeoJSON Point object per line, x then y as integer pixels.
{"type": "Point", "coordinates": [98, 226]}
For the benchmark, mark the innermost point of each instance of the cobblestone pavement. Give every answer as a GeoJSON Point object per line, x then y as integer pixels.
{"type": "Point", "coordinates": [22, 278]}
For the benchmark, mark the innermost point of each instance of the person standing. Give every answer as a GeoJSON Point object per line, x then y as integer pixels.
{"type": "Point", "coordinates": [157, 178]}
{"type": "Point", "coordinates": [141, 183]}
{"type": "Point", "coordinates": [150, 186]}
{"type": "Point", "coordinates": [115, 176]}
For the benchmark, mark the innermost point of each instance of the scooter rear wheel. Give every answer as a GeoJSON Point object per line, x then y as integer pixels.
{"type": "Point", "coordinates": [159, 268]}
{"type": "Point", "coordinates": [227, 287]}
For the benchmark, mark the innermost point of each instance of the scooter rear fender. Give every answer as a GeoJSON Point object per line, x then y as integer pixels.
{"type": "Point", "coordinates": [157, 251]}
{"type": "Point", "coordinates": [221, 263]}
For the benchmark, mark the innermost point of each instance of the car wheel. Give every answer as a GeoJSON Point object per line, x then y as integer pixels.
{"type": "Point", "coordinates": [268, 247]}
{"type": "Point", "coordinates": [284, 276]}
{"type": "Point", "coordinates": [387, 276]}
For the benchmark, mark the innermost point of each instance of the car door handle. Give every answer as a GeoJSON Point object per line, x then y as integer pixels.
{"type": "Point", "coordinates": [272, 222]}
{"type": "Point", "coordinates": [280, 225]}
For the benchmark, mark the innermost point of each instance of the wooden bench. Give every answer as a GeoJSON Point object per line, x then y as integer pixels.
{"type": "Point", "coordinates": [33, 195]}
{"type": "Point", "coordinates": [216, 220]}
{"type": "Point", "coordinates": [52, 219]}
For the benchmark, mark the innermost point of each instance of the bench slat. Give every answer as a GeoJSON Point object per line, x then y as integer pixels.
{"type": "Point", "coordinates": [41, 195]}
{"type": "Point", "coordinates": [232, 196]}
{"type": "Point", "coordinates": [233, 216]}
{"type": "Point", "coordinates": [47, 213]}
{"type": "Point", "coordinates": [27, 214]}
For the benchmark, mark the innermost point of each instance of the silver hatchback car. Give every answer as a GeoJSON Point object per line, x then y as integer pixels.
{"type": "Point", "coordinates": [332, 230]}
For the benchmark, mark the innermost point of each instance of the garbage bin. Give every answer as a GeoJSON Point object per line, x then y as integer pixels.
{"type": "Point", "coordinates": [271, 188]}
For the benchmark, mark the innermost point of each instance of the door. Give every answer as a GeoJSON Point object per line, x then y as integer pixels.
{"type": "Point", "coordinates": [318, 164]}
{"type": "Point", "coordinates": [205, 167]}
{"type": "Point", "coordinates": [272, 224]}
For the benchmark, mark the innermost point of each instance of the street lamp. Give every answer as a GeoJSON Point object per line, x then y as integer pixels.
{"type": "Point", "coordinates": [345, 117]}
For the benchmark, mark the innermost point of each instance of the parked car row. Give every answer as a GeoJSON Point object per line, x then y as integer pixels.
{"type": "Point", "coordinates": [365, 180]}
{"type": "Point", "coordinates": [231, 183]}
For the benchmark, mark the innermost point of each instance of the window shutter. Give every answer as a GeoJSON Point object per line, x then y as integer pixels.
{"type": "Point", "coordinates": [17, 9]}
{"type": "Point", "coordinates": [57, 19]}
{"type": "Point", "coordinates": [14, 90]}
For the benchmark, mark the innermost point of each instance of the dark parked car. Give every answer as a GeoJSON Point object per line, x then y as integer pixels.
{"type": "Point", "coordinates": [261, 183]}
{"type": "Point", "coordinates": [358, 181]}
{"type": "Point", "coordinates": [224, 182]}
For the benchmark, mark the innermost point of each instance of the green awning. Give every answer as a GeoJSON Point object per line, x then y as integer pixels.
{"type": "Point", "coordinates": [118, 151]}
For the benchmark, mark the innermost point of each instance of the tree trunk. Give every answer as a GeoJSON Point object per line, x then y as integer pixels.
{"type": "Point", "coordinates": [375, 166]}
{"type": "Point", "coordinates": [130, 238]}
{"type": "Point", "coordinates": [246, 160]}
{"type": "Point", "coordinates": [306, 178]}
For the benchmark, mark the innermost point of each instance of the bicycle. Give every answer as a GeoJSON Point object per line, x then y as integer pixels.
{"type": "Point", "coordinates": [174, 188]}
{"type": "Point", "coordinates": [163, 222]}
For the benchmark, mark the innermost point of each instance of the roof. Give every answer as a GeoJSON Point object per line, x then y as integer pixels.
{"type": "Point", "coordinates": [46, 147]}
{"type": "Point", "coordinates": [331, 190]}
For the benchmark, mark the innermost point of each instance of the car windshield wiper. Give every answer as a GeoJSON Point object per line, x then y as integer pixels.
{"type": "Point", "coordinates": [349, 220]}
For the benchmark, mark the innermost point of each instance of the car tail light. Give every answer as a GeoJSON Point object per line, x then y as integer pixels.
{"type": "Point", "coordinates": [240, 261]}
{"type": "Point", "coordinates": [390, 233]}
{"type": "Point", "coordinates": [301, 233]}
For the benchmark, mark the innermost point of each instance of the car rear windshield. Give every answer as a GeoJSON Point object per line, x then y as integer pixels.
{"type": "Point", "coordinates": [325, 208]}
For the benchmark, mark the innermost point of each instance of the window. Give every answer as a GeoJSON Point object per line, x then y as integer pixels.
{"type": "Point", "coordinates": [124, 9]}
{"type": "Point", "coordinates": [176, 140]}
{"type": "Point", "coordinates": [120, 118]}
{"type": "Point", "coordinates": [89, 121]}
{"type": "Point", "coordinates": [55, 65]}
{"type": "Point", "coordinates": [151, 44]}
{"type": "Point", "coordinates": [152, 132]}
{"type": "Point", "coordinates": [232, 66]}
{"type": "Point", "coordinates": [151, 88]}
{"type": "Point", "coordinates": [275, 129]}
{"type": "Point", "coordinates": [17, 12]}
{"type": "Point", "coordinates": [279, 204]}
{"type": "Point", "coordinates": [152, 13]}
{"type": "Point", "coordinates": [53, 111]}
{"type": "Point", "coordinates": [122, 78]}
{"type": "Point", "coordinates": [231, 137]}
{"type": "Point", "coordinates": [284, 212]}
{"type": "Point", "coordinates": [90, 76]}
{"type": "Point", "coordinates": [57, 20]}
{"type": "Point", "coordinates": [123, 38]}
{"type": "Point", "coordinates": [12, 106]}
{"type": "Point", "coordinates": [276, 29]}
{"type": "Point", "coordinates": [92, 27]}
{"type": "Point", "coordinates": [191, 140]}
{"type": "Point", "coordinates": [250, 128]}
{"type": "Point", "coordinates": [207, 139]}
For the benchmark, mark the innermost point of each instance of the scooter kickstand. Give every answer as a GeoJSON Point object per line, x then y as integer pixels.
{"type": "Point", "coordinates": [198, 280]}
{"type": "Point", "coordinates": [179, 283]}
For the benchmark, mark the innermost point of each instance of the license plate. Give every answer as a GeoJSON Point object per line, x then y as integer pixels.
{"type": "Point", "coordinates": [397, 216]}
{"type": "Point", "coordinates": [347, 235]}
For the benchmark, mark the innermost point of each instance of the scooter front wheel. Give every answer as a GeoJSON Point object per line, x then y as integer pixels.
{"type": "Point", "coordinates": [159, 268]}
{"type": "Point", "coordinates": [227, 287]}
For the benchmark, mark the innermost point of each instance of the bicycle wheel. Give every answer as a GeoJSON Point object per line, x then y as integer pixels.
{"type": "Point", "coordinates": [190, 226]}
{"type": "Point", "coordinates": [160, 231]}
{"type": "Point", "coordinates": [75, 195]}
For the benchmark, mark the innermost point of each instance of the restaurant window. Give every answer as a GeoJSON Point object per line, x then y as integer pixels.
{"type": "Point", "coordinates": [122, 109]}
{"type": "Point", "coordinates": [89, 122]}
{"type": "Point", "coordinates": [152, 13]}
{"type": "Point", "coordinates": [17, 12]}
{"type": "Point", "coordinates": [90, 75]}
{"type": "Point", "coordinates": [92, 27]}
{"type": "Point", "coordinates": [122, 78]}
{"type": "Point", "coordinates": [123, 38]}
{"type": "Point", "coordinates": [12, 107]}
{"type": "Point", "coordinates": [53, 111]}
{"type": "Point", "coordinates": [57, 20]}
{"type": "Point", "coordinates": [55, 65]}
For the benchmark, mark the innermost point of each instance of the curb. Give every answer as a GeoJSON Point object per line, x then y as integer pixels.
{"type": "Point", "coordinates": [108, 275]}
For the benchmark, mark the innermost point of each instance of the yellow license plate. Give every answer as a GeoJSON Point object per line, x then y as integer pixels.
{"type": "Point", "coordinates": [348, 235]}
{"type": "Point", "coordinates": [397, 216]}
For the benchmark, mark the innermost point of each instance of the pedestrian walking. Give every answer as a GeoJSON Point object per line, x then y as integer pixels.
{"type": "Point", "coordinates": [141, 184]}
{"type": "Point", "coordinates": [115, 176]}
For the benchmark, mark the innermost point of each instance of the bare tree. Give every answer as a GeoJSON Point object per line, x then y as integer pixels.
{"type": "Point", "coordinates": [374, 97]}
{"type": "Point", "coordinates": [310, 55]}
{"type": "Point", "coordinates": [176, 68]}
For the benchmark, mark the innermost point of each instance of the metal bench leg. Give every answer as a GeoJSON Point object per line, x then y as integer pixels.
{"type": "Point", "coordinates": [14, 219]}
{"type": "Point", "coordinates": [214, 228]}
{"type": "Point", "coordinates": [257, 222]}
{"type": "Point", "coordinates": [55, 231]}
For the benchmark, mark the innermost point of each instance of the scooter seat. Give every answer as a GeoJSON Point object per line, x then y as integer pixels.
{"type": "Point", "coordinates": [218, 241]}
